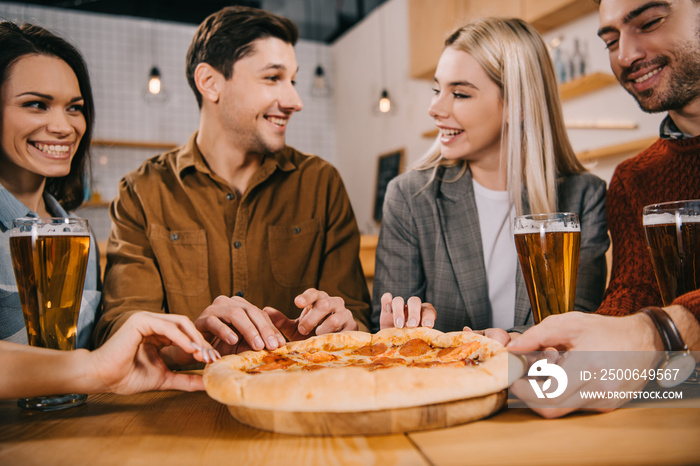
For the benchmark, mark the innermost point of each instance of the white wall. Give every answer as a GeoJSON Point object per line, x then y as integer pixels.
{"type": "Point", "coordinates": [362, 132]}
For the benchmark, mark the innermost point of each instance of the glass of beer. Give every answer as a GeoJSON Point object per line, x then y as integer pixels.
{"type": "Point", "coordinates": [50, 256]}
{"type": "Point", "coordinates": [548, 248]}
{"type": "Point", "coordinates": [673, 238]}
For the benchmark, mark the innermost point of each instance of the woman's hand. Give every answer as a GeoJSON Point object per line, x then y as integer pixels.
{"type": "Point", "coordinates": [412, 314]}
{"type": "Point", "coordinates": [130, 361]}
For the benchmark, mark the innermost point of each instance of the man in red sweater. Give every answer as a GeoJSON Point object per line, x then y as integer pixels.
{"type": "Point", "coordinates": [654, 48]}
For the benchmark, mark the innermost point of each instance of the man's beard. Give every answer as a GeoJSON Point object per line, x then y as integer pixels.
{"type": "Point", "coordinates": [256, 144]}
{"type": "Point", "coordinates": [682, 85]}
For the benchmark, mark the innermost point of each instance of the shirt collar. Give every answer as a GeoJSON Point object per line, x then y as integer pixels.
{"type": "Point", "coordinates": [189, 156]}
{"type": "Point", "coordinates": [669, 130]}
{"type": "Point", "coordinates": [11, 208]}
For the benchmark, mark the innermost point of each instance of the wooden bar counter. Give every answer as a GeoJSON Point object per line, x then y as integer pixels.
{"type": "Point", "coordinates": [174, 428]}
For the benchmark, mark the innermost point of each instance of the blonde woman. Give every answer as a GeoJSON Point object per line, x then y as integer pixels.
{"type": "Point", "coordinates": [446, 243]}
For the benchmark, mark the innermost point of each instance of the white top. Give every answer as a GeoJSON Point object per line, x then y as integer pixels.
{"type": "Point", "coordinates": [496, 215]}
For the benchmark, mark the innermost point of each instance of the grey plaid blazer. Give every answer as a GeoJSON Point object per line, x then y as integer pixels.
{"type": "Point", "coordinates": [430, 246]}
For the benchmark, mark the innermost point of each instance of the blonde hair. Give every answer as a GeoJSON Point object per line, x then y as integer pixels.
{"type": "Point", "coordinates": [538, 150]}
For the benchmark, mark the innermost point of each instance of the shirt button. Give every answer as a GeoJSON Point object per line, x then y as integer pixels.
{"type": "Point", "coordinates": [297, 230]}
{"type": "Point", "coordinates": [174, 237]}
{"type": "Point", "coordinates": [237, 244]}
{"type": "Point", "coordinates": [239, 294]}
{"type": "Point", "coordinates": [230, 196]}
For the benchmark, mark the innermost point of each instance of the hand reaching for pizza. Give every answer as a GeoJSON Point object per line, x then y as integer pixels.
{"type": "Point", "coordinates": [412, 314]}
{"type": "Point", "coordinates": [612, 338]}
{"type": "Point", "coordinates": [233, 325]}
{"type": "Point", "coordinates": [288, 327]}
{"type": "Point", "coordinates": [497, 334]}
{"type": "Point", "coordinates": [325, 314]}
{"type": "Point", "coordinates": [129, 361]}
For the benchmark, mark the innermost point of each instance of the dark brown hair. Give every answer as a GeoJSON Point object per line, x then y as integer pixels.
{"type": "Point", "coordinates": [227, 36]}
{"type": "Point", "coordinates": [28, 39]}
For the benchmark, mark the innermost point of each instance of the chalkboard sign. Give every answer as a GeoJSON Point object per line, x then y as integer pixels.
{"type": "Point", "coordinates": [388, 166]}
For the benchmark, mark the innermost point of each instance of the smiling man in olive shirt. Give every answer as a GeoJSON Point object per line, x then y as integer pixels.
{"type": "Point", "coordinates": [234, 220]}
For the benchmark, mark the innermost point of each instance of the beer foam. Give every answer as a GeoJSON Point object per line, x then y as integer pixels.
{"type": "Point", "coordinates": [668, 218]}
{"type": "Point", "coordinates": [50, 233]}
{"type": "Point", "coordinates": [49, 230]}
{"type": "Point", "coordinates": [533, 226]}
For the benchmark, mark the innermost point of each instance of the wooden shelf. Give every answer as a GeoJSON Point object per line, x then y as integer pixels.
{"type": "Point", "coordinates": [92, 204]}
{"type": "Point", "coordinates": [585, 84]}
{"type": "Point", "coordinates": [430, 21]}
{"type": "Point", "coordinates": [551, 14]}
{"type": "Point", "coordinates": [133, 144]}
{"type": "Point", "coordinates": [617, 149]}
{"type": "Point", "coordinates": [430, 134]}
{"type": "Point", "coordinates": [602, 124]}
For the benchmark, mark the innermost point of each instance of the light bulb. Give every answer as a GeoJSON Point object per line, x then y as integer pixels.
{"type": "Point", "coordinates": [320, 86]}
{"type": "Point", "coordinates": [154, 84]}
{"type": "Point", "coordinates": [319, 78]}
{"type": "Point", "coordinates": [384, 102]}
{"type": "Point", "coordinates": [319, 82]}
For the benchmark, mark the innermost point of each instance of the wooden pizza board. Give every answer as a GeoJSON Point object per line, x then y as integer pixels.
{"type": "Point", "coordinates": [380, 422]}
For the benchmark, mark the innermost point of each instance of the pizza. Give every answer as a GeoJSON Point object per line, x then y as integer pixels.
{"type": "Point", "coordinates": [358, 371]}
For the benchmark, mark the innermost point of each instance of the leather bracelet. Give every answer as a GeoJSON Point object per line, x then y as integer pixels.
{"type": "Point", "coordinates": [678, 359]}
{"type": "Point", "coordinates": [670, 336]}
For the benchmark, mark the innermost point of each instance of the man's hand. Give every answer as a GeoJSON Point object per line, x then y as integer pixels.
{"type": "Point", "coordinates": [325, 314]}
{"type": "Point", "coordinates": [130, 361]}
{"type": "Point", "coordinates": [579, 331]}
{"type": "Point", "coordinates": [497, 334]}
{"type": "Point", "coordinates": [233, 325]}
{"type": "Point", "coordinates": [576, 331]}
{"type": "Point", "coordinates": [412, 314]}
{"type": "Point", "coordinates": [288, 327]}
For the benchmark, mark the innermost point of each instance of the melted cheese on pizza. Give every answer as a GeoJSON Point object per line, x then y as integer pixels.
{"type": "Point", "coordinates": [413, 353]}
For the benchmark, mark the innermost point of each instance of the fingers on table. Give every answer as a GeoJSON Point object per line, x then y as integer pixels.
{"type": "Point", "coordinates": [184, 382]}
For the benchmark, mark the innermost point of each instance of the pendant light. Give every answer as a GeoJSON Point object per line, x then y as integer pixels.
{"type": "Point", "coordinates": [384, 105]}
{"type": "Point", "coordinates": [385, 102]}
{"type": "Point", "coordinates": [154, 84]}
{"type": "Point", "coordinates": [319, 86]}
{"type": "Point", "coordinates": [155, 91]}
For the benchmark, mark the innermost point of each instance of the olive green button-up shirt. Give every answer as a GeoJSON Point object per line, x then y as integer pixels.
{"type": "Point", "coordinates": [181, 237]}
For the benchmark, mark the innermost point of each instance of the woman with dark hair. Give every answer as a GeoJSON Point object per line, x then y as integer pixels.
{"type": "Point", "coordinates": [46, 121]}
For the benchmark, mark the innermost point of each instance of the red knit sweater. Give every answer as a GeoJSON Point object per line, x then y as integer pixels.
{"type": "Point", "coordinates": [669, 170]}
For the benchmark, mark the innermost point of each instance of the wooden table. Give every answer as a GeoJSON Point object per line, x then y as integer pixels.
{"type": "Point", "coordinates": [173, 428]}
